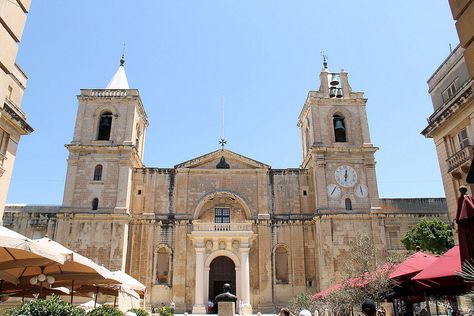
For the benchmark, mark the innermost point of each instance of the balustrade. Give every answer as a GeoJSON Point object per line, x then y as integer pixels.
{"type": "Point", "coordinates": [459, 158]}
{"type": "Point", "coordinates": [222, 227]}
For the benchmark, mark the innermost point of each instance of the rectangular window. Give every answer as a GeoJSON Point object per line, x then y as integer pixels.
{"type": "Point", "coordinates": [222, 215]}
{"type": "Point", "coordinates": [449, 92]}
{"type": "Point", "coordinates": [463, 138]}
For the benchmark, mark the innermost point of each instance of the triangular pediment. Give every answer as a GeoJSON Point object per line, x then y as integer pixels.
{"type": "Point", "coordinates": [212, 159]}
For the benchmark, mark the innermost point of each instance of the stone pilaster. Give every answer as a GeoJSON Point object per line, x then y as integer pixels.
{"type": "Point", "coordinates": [245, 279]}
{"type": "Point", "coordinates": [199, 303]}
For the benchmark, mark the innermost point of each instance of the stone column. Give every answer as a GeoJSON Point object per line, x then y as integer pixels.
{"type": "Point", "coordinates": [199, 306]}
{"type": "Point", "coordinates": [245, 280]}
{"type": "Point", "coordinates": [206, 285]}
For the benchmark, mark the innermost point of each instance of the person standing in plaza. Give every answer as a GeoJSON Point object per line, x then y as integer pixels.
{"type": "Point", "coordinates": [369, 307]}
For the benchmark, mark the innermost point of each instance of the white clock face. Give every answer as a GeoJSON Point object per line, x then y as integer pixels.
{"type": "Point", "coordinates": [361, 190]}
{"type": "Point", "coordinates": [334, 192]}
{"type": "Point", "coordinates": [346, 176]}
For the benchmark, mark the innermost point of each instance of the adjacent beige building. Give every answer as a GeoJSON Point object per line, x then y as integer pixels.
{"type": "Point", "coordinates": [452, 123]}
{"type": "Point", "coordinates": [12, 85]}
{"type": "Point", "coordinates": [223, 217]}
{"type": "Point", "coordinates": [463, 13]}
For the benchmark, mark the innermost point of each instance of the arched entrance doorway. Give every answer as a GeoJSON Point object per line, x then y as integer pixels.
{"type": "Point", "coordinates": [221, 270]}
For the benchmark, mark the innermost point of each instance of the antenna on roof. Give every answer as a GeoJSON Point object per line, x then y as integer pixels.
{"type": "Point", "coordinates": [450, 49]}
{"type": "Point", "coordinates": [222, 142]}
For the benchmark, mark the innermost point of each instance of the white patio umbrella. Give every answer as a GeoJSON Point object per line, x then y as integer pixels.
{"type": "Point", "coordinates": [19, 253]}
{"type": "Point", "coordinates": [76, 271]}
{"type": "Point", "coordinates": [132, 283]}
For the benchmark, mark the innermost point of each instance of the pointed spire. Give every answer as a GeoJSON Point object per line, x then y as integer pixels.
{"type": "Point", "coordinates": [119, 80]}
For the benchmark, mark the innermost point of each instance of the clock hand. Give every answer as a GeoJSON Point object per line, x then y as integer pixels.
{"type": "Point", "coordinates": [361, 190]}
{"type": "Point", "coordinates": [345, 176]}
{"type": "Point", "coordinates": [333, 190]}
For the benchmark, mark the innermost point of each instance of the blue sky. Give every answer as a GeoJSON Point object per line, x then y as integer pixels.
{"type": "Point", "coordinates": [261, 56]}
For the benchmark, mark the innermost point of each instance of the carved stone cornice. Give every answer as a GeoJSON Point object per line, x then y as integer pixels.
{"type": "Point", "coordinates": [442, 114]}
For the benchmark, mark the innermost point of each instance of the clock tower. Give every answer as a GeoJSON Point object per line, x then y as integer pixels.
{"type": "Point", "coordinates": [336, 145]}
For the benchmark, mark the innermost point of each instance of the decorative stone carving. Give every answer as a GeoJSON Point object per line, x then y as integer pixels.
{"type": "Point", "coordinates": [235, 244]}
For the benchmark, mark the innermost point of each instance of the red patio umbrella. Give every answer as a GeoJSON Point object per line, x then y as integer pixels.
{"type": "Point", "coordinates": [442, 275]}
{"type": "Point", "coordinates": [465, 221]}
{"type": "Point", "coordinates": [410, 267]}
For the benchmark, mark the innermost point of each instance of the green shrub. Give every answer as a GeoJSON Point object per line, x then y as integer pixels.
{"type": "Point", "coordinates": [139, 311]}
{"type": "Point", "coordinates": [302, 301]}
{"type": "Point", "coordinates": [53, 306]}
{"type": "Point", "coordinates": [165, 311]}
{"type": "Point", "coordinates": [105, 310]}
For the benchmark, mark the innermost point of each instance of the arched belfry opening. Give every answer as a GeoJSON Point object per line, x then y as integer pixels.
{"type": "Point", "coordinates": [105, 126]}
{"type": "Point", "coordinates": [339, 129]}
{"type": "Point", "coordinates": [221, 271]}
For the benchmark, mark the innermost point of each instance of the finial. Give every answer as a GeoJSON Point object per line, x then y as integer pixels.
{"type": "Point", "coordinates": [325, 59]}
{"type": "Point", "coordinates": [122, 60]}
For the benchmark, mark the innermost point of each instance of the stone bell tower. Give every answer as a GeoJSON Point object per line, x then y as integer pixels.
{"type": "Point", "coordinates": [107, 145]}
{"type": "Point", "coordinates": [336, 145]}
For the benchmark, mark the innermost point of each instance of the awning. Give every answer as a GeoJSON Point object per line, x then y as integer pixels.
{"type": "Point", "coordinates": [19, 253]}
{"type": "Point", "coordinates": [442, 274]}
{"type": "Point", "coordinates": [410, 267]}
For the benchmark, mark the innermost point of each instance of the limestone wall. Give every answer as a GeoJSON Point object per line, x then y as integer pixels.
{"type": "Point", "coordinates": [165, 191]}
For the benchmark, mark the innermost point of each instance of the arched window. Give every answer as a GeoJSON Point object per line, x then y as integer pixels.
{"type": "Point", "coordinates": [348, 204]}
{"type": "Point", "coordinates": [98, 173]}
{"type": "Point", "coordinates": [162, 266]}
{"type": "Point", "coordinates": [281, 265]}
{"type": "Point", "coordinates": [95, 204]}
{"type": "Point", "coordinates": [105, 125]}
{"type": "Point", "coordinates": [339, 129]}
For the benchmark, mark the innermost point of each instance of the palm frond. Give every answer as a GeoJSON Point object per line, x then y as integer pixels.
{"type": "Point", "coordinates": [467, 272]}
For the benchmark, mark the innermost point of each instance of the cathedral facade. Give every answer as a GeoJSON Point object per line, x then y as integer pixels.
{"type": "Point", "coordinates": [223, 217]}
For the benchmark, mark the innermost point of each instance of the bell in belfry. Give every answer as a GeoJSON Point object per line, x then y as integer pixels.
{"type": "Point", "coordinates": [339, 125]}
{"type": "Point", "coordinates": [334, 81]}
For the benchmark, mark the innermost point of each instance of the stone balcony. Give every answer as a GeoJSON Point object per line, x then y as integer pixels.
{"type": "Point", "coordinates": [459, 162]}
{"type": "Point", "coordinates": [213, 227]}
{"type": "Point", "coordinates": [222, 232]}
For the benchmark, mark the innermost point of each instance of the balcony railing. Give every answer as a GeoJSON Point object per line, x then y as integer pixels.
{"type": "Point", "coordinates": [459, 158]}
{"type": "Point", "coordinates": [213, 227]}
